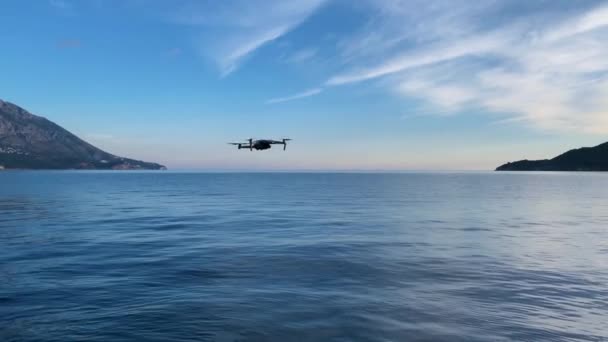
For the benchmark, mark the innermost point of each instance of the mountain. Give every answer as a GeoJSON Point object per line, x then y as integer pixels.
{"type": "Point", "coordinates": [28, 141]}
{"type": "Point", "coordinates": [582, 159]}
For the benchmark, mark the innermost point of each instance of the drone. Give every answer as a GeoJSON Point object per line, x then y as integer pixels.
{"type": "Point", "coordinates": [262, 144]}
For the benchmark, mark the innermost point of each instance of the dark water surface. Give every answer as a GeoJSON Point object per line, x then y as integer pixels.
{"type": "Point", "coordinates": [104, 256]}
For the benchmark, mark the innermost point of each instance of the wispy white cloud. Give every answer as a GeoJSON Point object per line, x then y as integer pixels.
{"type": "Point", "coordinates": [303, 94]}
{"type": "Point", "coordinates": [233, 30]}
{"type": "Point", "coordinates": [247, 43]}
{"type": "Point", "coordinates": [432, 55]}
{"type": "Point", "coordinates": [547, 67]}
{"type": "Point", "coordinates": [591, 20]}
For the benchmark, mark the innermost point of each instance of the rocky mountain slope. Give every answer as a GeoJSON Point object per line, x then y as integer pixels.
{"type": "Point", "coordinates": [28, 141]}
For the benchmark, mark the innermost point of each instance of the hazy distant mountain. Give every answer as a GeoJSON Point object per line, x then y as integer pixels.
{"type": "Point", "coordinates": [582, 159]}
{"type": "Point", "coordinates": [28, 141]}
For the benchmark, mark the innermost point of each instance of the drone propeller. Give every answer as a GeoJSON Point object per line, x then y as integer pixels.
{"type": "Point", "coordinates": [250, 144]}
{"type": "Point", "coordinates": [285, 140]}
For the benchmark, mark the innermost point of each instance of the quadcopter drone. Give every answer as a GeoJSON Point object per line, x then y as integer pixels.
{"type": "Point", "coordinates": [262, 144]}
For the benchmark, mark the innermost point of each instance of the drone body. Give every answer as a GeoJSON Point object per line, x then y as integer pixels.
{"type": "Point", "coordinates": [262, 144]}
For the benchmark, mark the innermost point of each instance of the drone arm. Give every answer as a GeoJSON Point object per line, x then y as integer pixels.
{"type": "Point", "coordinates": [279, 142]}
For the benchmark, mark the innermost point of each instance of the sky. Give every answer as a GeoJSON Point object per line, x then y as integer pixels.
{"type": "Point", "coordinates": [358, 85]}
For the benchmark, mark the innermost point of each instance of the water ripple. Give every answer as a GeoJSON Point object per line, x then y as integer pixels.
{"type": "Point", "coordinates": [310, 257]}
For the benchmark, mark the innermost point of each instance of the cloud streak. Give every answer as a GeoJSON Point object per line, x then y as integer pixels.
{"type": "Point", "coordinates": [432, 55]}
{"type": "Point", "coordinates": [546, 68]}
{"type": "Point", "coordinates": [307, 93]}
{"type": "Point", "coordinates": [231, 31]}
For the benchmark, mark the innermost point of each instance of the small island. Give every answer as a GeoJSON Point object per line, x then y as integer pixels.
{"type": "Point", "coordinates": [28, 141]}
{"type": "Point", "coordinates": [582, 159]}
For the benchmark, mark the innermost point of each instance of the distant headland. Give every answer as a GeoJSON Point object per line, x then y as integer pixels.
{"type": "Point", "coordinates": [582, 159]}
{"type": "Point", "coordinates": [28, 141]}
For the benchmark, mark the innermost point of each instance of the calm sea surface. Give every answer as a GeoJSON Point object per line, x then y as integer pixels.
{"type": "Point", "coordinates": [162, 256]}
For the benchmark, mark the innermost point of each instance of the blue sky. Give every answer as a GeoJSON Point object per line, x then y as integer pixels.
{"type": "Point", "coordinates": [370, 84]}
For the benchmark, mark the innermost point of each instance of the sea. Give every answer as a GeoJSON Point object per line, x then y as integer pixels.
{"type": "Point", "coordinates": [194, 256]}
